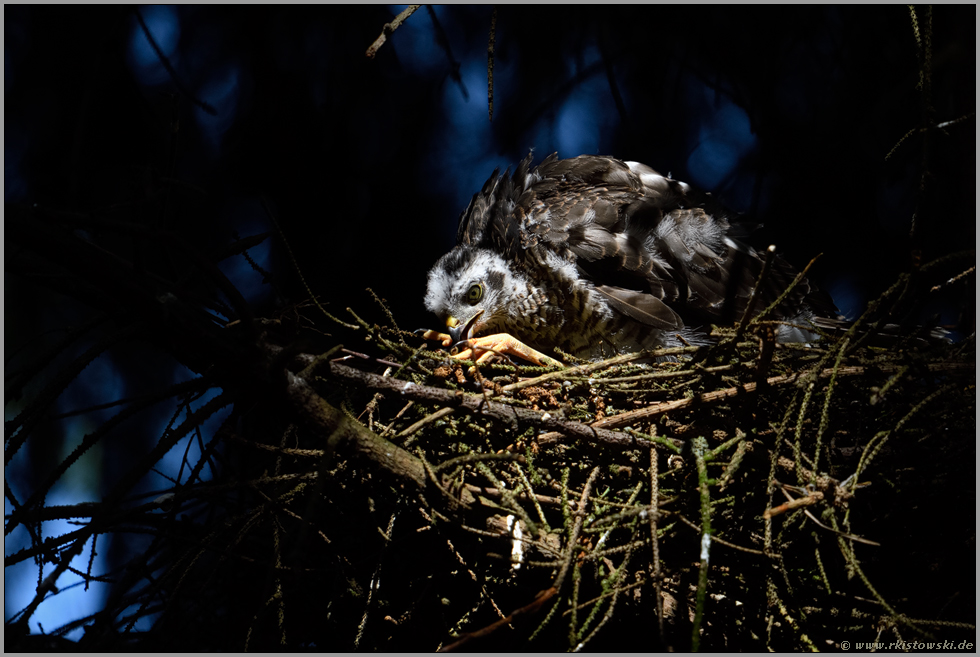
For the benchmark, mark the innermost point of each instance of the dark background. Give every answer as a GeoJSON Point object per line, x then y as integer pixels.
{"type": "Point", "coordinates": [786, 113]}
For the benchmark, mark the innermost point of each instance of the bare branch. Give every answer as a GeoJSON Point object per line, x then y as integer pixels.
{"type": "Point", "coordinates": [388, 28]}
{"type": "Point", "coordinates": [493, 36]}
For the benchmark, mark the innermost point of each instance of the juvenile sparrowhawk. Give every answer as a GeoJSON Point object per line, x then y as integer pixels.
{"type": "Point", "coordinates": [597, 256]}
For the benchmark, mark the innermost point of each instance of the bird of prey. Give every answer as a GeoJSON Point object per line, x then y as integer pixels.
{"type": "Point", "coordinates": [596, 256]}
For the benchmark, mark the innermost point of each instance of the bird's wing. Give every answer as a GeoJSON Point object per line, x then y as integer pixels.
{"type": "Point", "coordinates": [642, 307]}
{"type": "Point", "coordinates": [646, 240]}
{"type": "Point", "coordinates": [652, 246]}
{"type": "Point", "coordinates": [489, 219]}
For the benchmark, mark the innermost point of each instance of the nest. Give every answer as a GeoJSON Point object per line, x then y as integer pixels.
{"type": "Point", "coordinates": [743, 495]}
{"type": "Point", "coordinates": [369, 492]}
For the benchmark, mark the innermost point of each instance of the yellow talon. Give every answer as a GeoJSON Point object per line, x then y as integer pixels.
{"type": "Point", "coordinates": [483, 348]}
{"type": "Point", "coordinates": [445, 339]}
{"type": "Point", "coordinates": [503, 343]}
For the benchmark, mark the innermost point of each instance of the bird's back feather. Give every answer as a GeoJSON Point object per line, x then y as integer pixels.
{"type": "Point", "coordinates": [655, 249]}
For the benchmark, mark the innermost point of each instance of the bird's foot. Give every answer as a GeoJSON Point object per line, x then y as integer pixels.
{"type": "Point", "coordinates": [444, 338]}
{"type": "Point", "coordinates": [483, 348]}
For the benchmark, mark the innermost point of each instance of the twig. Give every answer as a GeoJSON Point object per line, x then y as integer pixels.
{"type": "Point", "coordinates": [954, 279]}
{"type": "Point", "coordinates": [700, 446]}
{"type": "Point", "coordinates": [384, 307]}
{"type": "Point", "coordinates": [796, 281]}
{"type": "Point", "coordinates": [428, 419]}
{"type": "Point", "coordinates": [640, 414]}
{"type": "Point", "coordinates": [349, 436]}
{"type": "Point", "coordinates": [591, 367]}
{"type": "Point", "coordinates": [611, 79]}
{"type": "Point", "coordinates": [576, 528]}
{"type": "Point", "coordinates": [841, 534]}
{"type": "Point", "coordinates": [476, 457]}
{"type": "Point", "coordinates": [170, 69]}
{"type": "Point", "coordinates": [654, 376]}
{"type": "Point", "coordinates": [938, 126]}
{"type": "Point", "coordinates": [923, 37]}
{"type": "Point", "coordinates": [720, 541]}
{"type": "Point", "coordinates": [490, 46]}
{"type": "Point", "coordinates": [750, 306]}
{"type": "Point", "coordinates": [20, 427]}
{"type": "Point", "coordinates": [443, 40]}
{"type": "Point", "coordinates": [512, 415]}
{"type": "Point", "coordinates": [493, 492]}
{"type": "Point", "coordinates": [375, 582]}
{"type": "Point", "coordinates": [535, 604]}
{"type": "Point", "coordinates": [388, 28]}
{"type": "Point", "coordinates": [272, 215]}
{"type": "Point", "coordinates": [654, 541]}
{"type": "Point", "coordinates": [793, 503]}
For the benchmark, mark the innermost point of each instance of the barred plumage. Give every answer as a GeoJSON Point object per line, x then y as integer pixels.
{"type": "Point", "coordinates": [597, 256]}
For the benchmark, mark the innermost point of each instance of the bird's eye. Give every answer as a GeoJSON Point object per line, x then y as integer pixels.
{"type": "Point", "coordinates": [474, 294]}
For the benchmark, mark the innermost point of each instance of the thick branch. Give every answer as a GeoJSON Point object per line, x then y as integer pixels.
{"type": "Point", "coordinates": [507, 413]}
{"type": "Point", "coordinates": [388, 28]}
{"type": "Point", "coordinates": [649, 412]}
{"type": "Point", "coordinates": [349, 437]}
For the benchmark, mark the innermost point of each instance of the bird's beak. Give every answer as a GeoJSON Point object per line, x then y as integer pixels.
{"type": "Point", "coordinates": [459, 331]}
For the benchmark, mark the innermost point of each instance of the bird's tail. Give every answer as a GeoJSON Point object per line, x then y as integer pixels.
{"type": "Point", "coordinates": [885, 335]}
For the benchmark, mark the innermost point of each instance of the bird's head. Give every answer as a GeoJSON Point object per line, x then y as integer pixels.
{"type": "Point", "coordinates": [474, 291]}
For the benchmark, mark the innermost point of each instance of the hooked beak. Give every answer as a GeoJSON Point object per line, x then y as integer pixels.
{"type": "Point", "coordinates": [459, 332]}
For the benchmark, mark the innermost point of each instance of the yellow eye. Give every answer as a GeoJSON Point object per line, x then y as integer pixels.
{"type": "Point", "coordinates": [474, 294]}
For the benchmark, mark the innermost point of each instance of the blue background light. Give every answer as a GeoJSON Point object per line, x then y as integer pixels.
{"type": "Point", "coordinates": [367, 165]}
{"type": "Point", "coordinates": [163, 23]}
